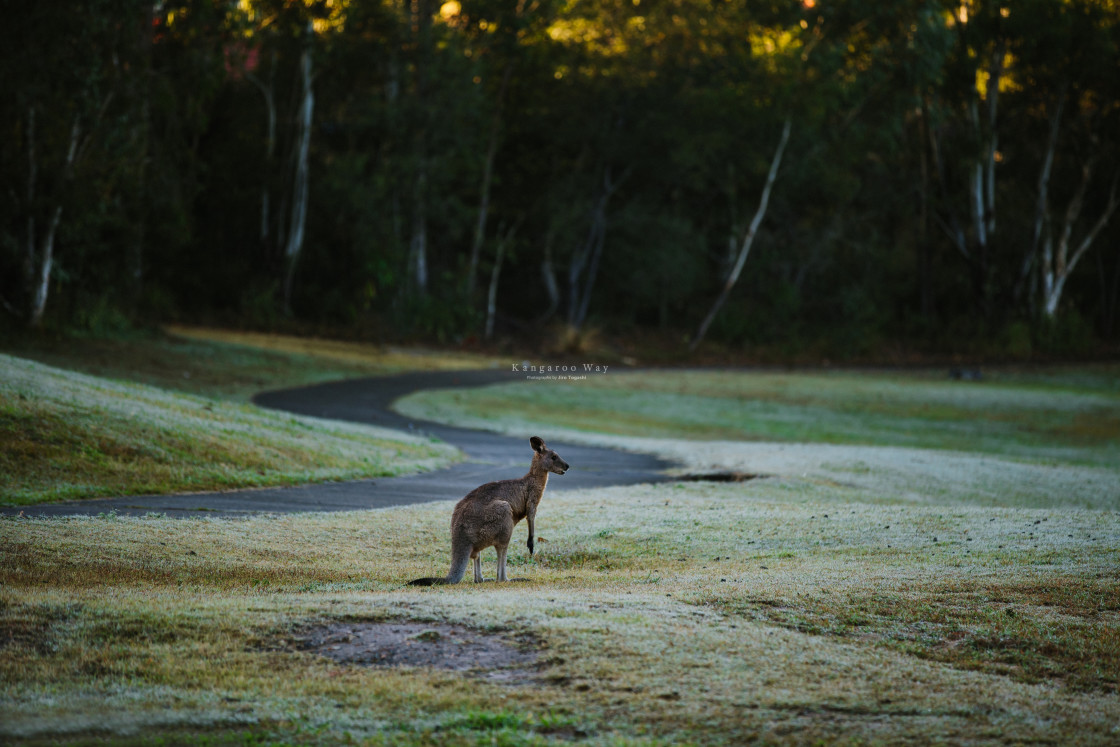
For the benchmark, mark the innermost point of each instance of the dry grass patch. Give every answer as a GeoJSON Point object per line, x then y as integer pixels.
{"type": "Point", "coordinates": [383, 358]}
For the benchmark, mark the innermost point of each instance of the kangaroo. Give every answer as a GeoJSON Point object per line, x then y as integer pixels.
{"type": "Point", "coordinates": [487, 515]}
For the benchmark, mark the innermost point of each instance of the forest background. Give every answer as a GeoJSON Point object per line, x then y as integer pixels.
{"type": "Point", "coordinates": [824, 177]}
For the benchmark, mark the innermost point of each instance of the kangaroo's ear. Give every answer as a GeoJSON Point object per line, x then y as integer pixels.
{"type": "Point", "coordinates": [537, 443]}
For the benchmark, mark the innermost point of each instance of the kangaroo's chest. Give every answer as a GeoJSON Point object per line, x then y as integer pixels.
{"type": "Point", "coordinates": [528, 503]}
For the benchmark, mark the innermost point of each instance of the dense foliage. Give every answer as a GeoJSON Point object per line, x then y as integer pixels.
{"type": "Point", "coordinates": [448, 170]}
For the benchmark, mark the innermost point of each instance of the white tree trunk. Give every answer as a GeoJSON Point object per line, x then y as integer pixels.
{"type": "Point", "coordinates": [1057, 265]}
{"type": "Point", "coordinates": [418, 246]}
{"type": "Point", "coordinates": [748, 239]}
{"type": "Point", "coordinates": [1033, 258]}
{"type": "Point", "coordinates": [46, 265]}
{"type": "Point", "coordinates": [43, 262]}
{"type": "Point", "coordinates": [300, 191]}
{"type": "Point", "coordinates": [492, 292]}
{"type": "Point", "coordinates": [487, 179]}
{"type": "Point", "coordinates": [421, 12]}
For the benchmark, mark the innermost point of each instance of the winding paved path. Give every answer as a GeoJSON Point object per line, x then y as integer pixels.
{"type": "Point", "coordinates": [489, 457]}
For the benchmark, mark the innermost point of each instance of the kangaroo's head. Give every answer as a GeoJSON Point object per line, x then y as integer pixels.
{"type": "Point", "coordinates": [546, 457]}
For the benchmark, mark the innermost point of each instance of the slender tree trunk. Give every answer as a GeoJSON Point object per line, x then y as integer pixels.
{"type": "Point", "coordinates": [495, 272]}
{"type": "Point", "coordinates": [925, 259]}
{"type": "Point", "coordinates": [300, 192]}
{"type": "Point", "coordinates": [984, 184]}
{"type": "Point", "coordinates": [748, 239]}
{"type": "Point", "coordinates": [994, 79]}
{"type": "Point", "coordinates": [487, 179]}
{"type": "Point", "coordinates": [600, 239]}
{"type": "Point", "coordinates": [588, 256]}
{"type": "Point", "coordinates": [548, 275]}
{"type": "Point", "coordinates": [43, 261]}
{"type": "Point", "coordinates": [492, 292]}
{"type": "Point", "coordinates": [1033, 258]}
{"type": "Point", "coordinates": [268, 92]}
{"type": "Point", "coordinates": [144, 126]}
{"type": "Point", "coordinates": [1059, 264]}
{"type": "Point", "coordinates": [418, 245]}
{"type": "Point", "coordinates": [43, 273]}
{"type": "Point", "coordinates": [976, 243]}
{"type": "Point", "coordinates": [595, 235]}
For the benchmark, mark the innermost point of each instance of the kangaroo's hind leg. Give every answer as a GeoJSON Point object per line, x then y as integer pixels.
{"type": "Point", "coordinates": [476, 556]}
{"type": "Point", "coordinates": [501, 542]}
{"type": "Point", "coordinates": [502, 550]}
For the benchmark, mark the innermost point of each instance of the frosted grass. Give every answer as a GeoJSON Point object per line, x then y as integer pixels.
{"type": "Point", "coordinates": [1021, 422]}
{"type": "Point", "coordinates": [645, 640]}
{"type": "Point", "coordinates": [914, 440]}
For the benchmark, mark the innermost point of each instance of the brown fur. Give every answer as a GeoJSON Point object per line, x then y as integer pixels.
{"type": "Point", "coordinates": [486, 516]}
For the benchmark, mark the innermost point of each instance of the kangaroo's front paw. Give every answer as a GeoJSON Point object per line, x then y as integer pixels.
{"type": "Point", "coordinates": [530, 544]}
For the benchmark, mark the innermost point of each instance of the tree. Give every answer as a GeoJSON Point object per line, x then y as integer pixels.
{"type": "Point", "coordinates": [748, 238]}
{"type": "Point", "coordinates": [300, 193]}
{"type": "Point", "coordinates": [272, 29]}
{"type": "Point", "coordinates": [1068, 53]}
{"type": "Point", "coordinates": [63, 101]}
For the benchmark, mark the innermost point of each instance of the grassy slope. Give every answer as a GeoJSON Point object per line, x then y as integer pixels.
{"type": "Point", "coordinates": [68, 435]}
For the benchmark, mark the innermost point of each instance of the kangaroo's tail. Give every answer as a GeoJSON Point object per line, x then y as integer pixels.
{"type": "Point", "coordinates": [460, 559]}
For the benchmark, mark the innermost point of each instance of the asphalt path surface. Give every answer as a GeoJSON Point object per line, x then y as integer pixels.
{"type": "Point", "coordinates": [490, 457]}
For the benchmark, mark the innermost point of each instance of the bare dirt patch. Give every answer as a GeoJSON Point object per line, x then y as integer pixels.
{"type": "Point", "coordinates": [498, 657]}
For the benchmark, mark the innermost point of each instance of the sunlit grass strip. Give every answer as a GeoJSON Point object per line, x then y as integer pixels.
{"type": "Point", "coordinates": [68, 435]}
{"type": "Point", "coordinates": [232, 365]}
{"type": "Point", "coordinates": [380, 357]}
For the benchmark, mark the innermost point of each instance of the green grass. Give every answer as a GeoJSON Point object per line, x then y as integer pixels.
{"type": "Point", "coordinates": [65, 435]}
{"type": "Point", "coordinates": [1070, 417]}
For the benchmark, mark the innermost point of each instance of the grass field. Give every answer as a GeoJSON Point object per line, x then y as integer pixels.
{"type": "Point", "coordinates": [1059, 416]}
{"type": "Point", "coordinates": [878, 585]}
